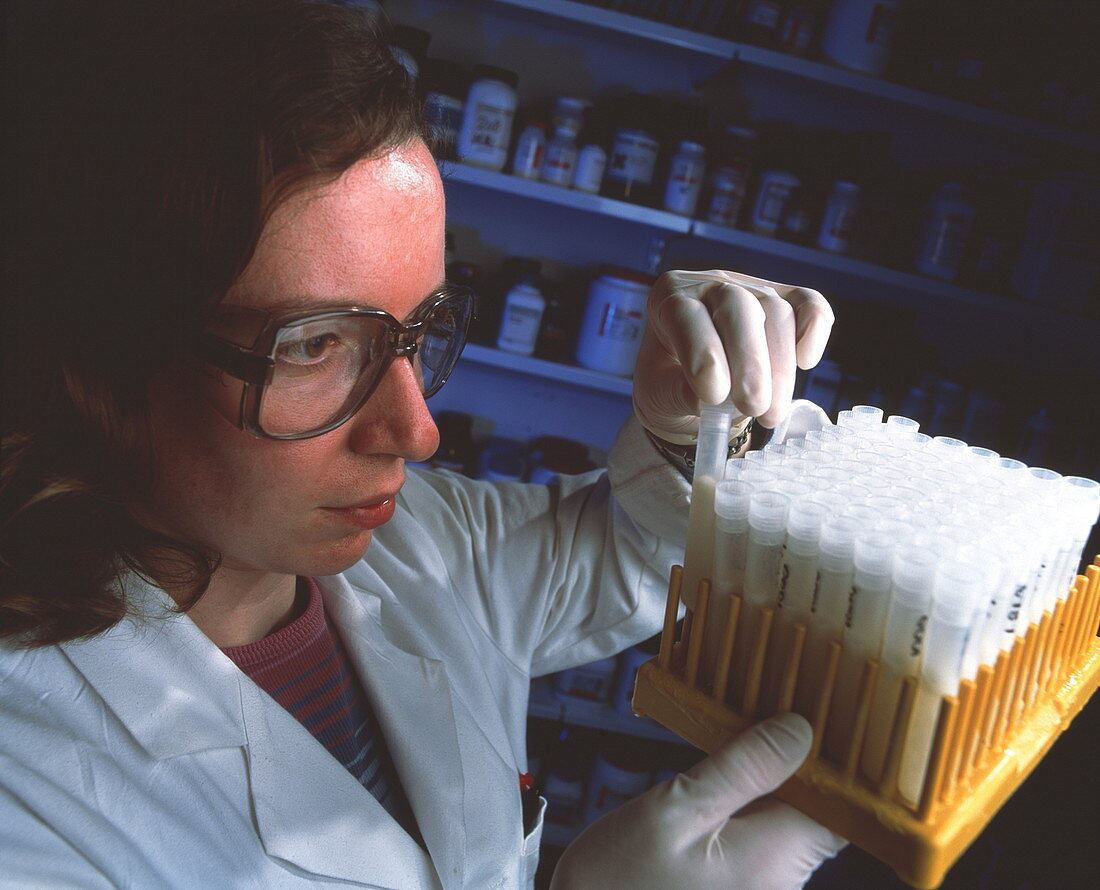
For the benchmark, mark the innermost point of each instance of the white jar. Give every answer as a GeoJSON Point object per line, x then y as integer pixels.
{"type": "Point", "coordinates": [859, 34]}
{"type": "Point", "coordinates": [591, 163]}
{"type": "Point", "coordinates": [941, 241]}
{"type": "Point", "coordinates": [685, 179]}
{"type": "Point", "coordinates": [561, 158]}
{"type": "Point", "coordinates": [633, 160]}
{"type": "Point", "coordinates": [487, 118]}
{"type": "Point", "coordinates": [771, 200]}
{"type": "Point", "coordinates": [520, 321]}
{"type": "Point", "coordinates": [614, 319]}
{"type": "Point", "coordinates": [836, 223]}
{"type": "Point", "coordinates": [530, 148]}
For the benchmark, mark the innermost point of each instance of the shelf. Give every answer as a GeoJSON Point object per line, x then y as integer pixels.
{"type": "Point", "coordinates": [891, 278]}
{"type": "Point", "coordinates": [829, 75]}
{"type": "Point", "coordinates": [545, 704]}
{"type": "Point", "coordinates": [453, 171]}
{"type": "Point", "coordinates": [537, 367]}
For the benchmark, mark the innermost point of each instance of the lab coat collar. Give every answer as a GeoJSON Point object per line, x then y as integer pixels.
{"type": "Point", "coordinates": [154, 670]}
{"type": "Point", "coordinates": [178, 694]}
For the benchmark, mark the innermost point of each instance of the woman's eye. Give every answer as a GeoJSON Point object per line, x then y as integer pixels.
{"type": "Point", "coordinates": [308, 349]}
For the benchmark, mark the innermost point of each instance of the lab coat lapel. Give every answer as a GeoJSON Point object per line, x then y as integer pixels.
{"type": "Point", "coordinates": [311, 812]}
{"type": "Point", "coordinates": [411, 696]}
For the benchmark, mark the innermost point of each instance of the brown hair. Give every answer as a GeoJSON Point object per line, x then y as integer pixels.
{"type": "Point", "coordinates": [155, 138]}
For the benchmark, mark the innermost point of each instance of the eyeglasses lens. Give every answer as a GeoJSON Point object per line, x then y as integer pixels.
{"type": "Point", "coordinates": [324, 367]}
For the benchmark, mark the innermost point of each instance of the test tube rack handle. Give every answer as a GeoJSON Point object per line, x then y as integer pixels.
{"type": "Point", "coordinates": [987, 740]}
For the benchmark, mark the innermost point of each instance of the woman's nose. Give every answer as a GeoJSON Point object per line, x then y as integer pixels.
{"type": "Point", "coordinates": [395, 419]}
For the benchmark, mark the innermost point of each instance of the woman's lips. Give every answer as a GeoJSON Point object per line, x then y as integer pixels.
{"type": "Point", "coordinates": [364, 516]}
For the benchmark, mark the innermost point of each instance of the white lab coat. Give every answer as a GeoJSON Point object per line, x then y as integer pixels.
{"type": "Point", "coordinates": [144, 758]}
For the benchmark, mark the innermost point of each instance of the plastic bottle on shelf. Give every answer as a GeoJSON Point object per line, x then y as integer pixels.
{"type": "Point", "coordinates": [591, 165]}
{"type": "Point", "coordinates": [614, 320]}
{"type": "Point", "coordinates": [558, 329]}
{"type": "Point", "coordinates": [685, 179]}
{"type": "Point", "coordinates": [487, 118]}
{"type": "Point", "coordinates": [560, 160]}
{"type": "Point", "coordinates": [521, 317]}
{"type": "Point", "coordinates": [772, 192]}
{"type": "Point", "coordinates": [729, 179]}
{"type": "Point", "coordinates": [859, 34]}
{"type": "Point", "coordinates": [530, 148]}
{"type": "Point", "coordinates": [799, 215]}
{"type": "Point", "coordinates": [568, 114]}
{"type": "Point", "coordinates": [634, 149]}
{"type": "Point", "coordinates": [835, 234]}
{"type": "Point", "coordinates": [942, 236]}
{"type": "Point", "coordinates": [444, 86]}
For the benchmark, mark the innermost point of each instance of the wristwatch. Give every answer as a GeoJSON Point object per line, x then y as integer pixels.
{"type": "Point", "coordinates": [682, 456]}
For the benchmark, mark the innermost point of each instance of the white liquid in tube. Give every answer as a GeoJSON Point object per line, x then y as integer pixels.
{"type": "Point", "coordinates": [763, 568]}
{"type": "Point", "coordinates": [956, 591]}
{"type": "Point", "coordinates": [731, 541]}
{"type": "Point", "coordinates": [902, 646]}
{"type": "Point", "coordinates": [864, 624]}
{"type": "Point", "coordinates": [830, 602]}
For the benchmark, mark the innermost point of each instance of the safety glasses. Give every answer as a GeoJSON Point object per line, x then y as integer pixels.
{"type": "Point", "coordinates": [308, 372]}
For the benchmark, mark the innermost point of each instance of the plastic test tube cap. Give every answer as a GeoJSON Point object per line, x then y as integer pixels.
{"type": "Point", "coordinates": [838, 537]}
{"type": "Point", "coordinates": [805, 519]}
{"type": "Point", "coordinates": [956, 592]}
{"type": "Point", "coordinates": [913, 573]}
{"type": "Point", "coordinates": [867, 415]}
{"type": "Point", "coordinates": [874, 551]}
{"type": "Point", "coordinates": [896, 424]}
{"type": "Point", "coordinates": [768, 511]}
{"type": "Point", "coordinates": [731, 504]}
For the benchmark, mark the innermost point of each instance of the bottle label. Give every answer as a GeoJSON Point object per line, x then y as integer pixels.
{"type": "Point", "coordinates": [633, 158]}
{"type": "Point", "coordinates": [519, 328]}
{"type": "Point", "coordinates": [622, 325]}
{"type": "Point", "coordinates": [528, 157]}
{"type": "Point", "coordinates": [590, 166]}
{"type": "Point", "coordinates": [557, 169]}
{"type": "Point", "coordinates": [727, 197]}
{"type": "Point", "coordinates": [769, 206]}
{"type": "Point", "coordinates": [489, 131]}
{"type": "Point", "coordinates": [684, 181]}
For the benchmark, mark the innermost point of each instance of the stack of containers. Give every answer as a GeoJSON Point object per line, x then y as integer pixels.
{"type": "Point", "coordinates": [925, 554]}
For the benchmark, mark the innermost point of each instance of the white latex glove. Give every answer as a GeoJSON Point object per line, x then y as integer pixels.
{"type": "Point", "coordinates": [710, 828]}
{"type": "Point", "coordinates": [716, 334]}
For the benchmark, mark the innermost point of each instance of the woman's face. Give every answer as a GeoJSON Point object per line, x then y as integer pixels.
{"type": "Point", "coordinates": [374, 238]}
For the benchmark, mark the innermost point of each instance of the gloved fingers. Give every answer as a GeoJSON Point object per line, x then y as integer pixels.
{"type": "Point", "coordinates": [755, 763]}
{"type": "Point", "coordinates": [814, 322]}
{"type": "Point", "coordinates": [663, 398]}
{"type": "Point", "coordinates": [741, 320]}
{"type": "Point", "coordinates": [683, 325]}
{"type": "Point", "coordinates": [777, 844]}
{"type": "Point", "coordinates": [779, 330]}
{"type": "Point", "coordinates": [813, 313]}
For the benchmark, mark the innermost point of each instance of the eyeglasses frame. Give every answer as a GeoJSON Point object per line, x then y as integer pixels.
{"type": "Point", "coordinates": [254, 365]}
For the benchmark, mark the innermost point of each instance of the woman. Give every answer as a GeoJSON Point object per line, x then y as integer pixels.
{"type": "Point", "coordinates": [242, 646]}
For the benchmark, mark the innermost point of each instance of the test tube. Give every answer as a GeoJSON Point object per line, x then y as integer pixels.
{"type": "Point", "coordinates": [864, 623]}
{"type": "Point", "coordinates": [731, 541]}
{"type": "Point", "coordinates": [830, 603]}
{"type": "Point", "coordinates": [955, 594]}
{"type": "Point", "coordinates": [899, 426]}
{"type": "Point", "coordinates": [798, 579]}
{"type": "Point", "coordinates": [763, 568]}
{"type": "Point", "coordinates": [710, 464]}
{"type": "Point", "coordinates": [1083, 498]}
{"type": "Point", "coordinates": [903, 642]}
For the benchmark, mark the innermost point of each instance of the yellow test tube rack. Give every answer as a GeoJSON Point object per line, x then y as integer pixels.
{"type": "Point", "coordinates": [988, 738]}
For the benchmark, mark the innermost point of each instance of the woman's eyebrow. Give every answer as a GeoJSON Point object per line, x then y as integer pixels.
{"type": "Point", "coordinates": [304, 304]}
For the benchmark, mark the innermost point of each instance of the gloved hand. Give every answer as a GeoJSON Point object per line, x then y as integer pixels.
{"type": "Point", "coordinates": [710, 827]}
{"type": "Point", "coordinates": [716, 334]}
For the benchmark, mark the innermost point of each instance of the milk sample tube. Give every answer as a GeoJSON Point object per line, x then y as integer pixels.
{"type": "Point", "coordinates": [955, 597]}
